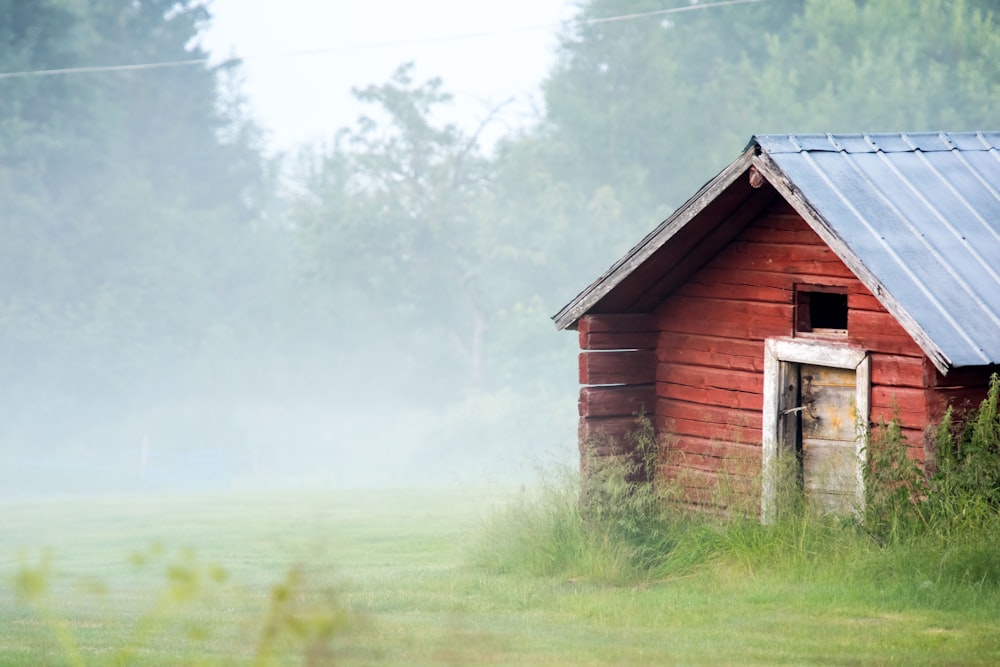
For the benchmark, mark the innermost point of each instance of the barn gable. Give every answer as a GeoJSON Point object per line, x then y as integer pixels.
{"type": "Point", "coordinates": [915, 216]}
{"type": "Point", "coordinates": [817, 284]}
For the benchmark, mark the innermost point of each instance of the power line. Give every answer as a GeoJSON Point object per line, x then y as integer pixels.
{"type": "Point", "coordinates": [93, 69]}
{"type": "Point", "coordinates": [104, 68]}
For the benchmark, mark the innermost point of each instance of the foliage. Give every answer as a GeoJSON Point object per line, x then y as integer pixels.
{"type": "Point", "coordinates": [666, 101]}
{"type": "Point", "coordinates": [943, 518]}
{"type": "Point", "coordinates": [541, 533]}
{"type": "Point", "coordinates": [958, 495]}
{"type": "Point", "coordinates": [399, 230]}
{"type": "Point", "coordinates": [894, 485]}
{"type": "Point", "coordinates": [964, 491]}
{"type": "Point", "coordinates": [149, 265]}
{"type": "Point", "coordinates": [619, 494]}
{"type": "Point", "coordinates": [132, 222]}
{"type": "Point", "coordinates": [757, 593]}
{"type": "Point", "coordinates": [295, 623]}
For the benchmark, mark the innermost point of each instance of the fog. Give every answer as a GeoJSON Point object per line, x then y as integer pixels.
{"type": "Point", "coordinates": [183, 311]}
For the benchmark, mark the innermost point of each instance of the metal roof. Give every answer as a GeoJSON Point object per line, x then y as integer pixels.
{"type": "Point", "coordinates": [915, 216]}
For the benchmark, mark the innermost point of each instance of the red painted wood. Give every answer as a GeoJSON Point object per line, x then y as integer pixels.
{"type": "Point", "coordinates": [723, 276]}
{"type": "Point", "coordinates": [613, 340]}
{"type": "Point", "coordinates": [962, 399]}
{"type": "Point", "coordinates": [711, 396]}
{"type": "Point", "coordinates": [726, 318]}
{"type": "Point", "coordinates": [862, 301]}
{"type": "Point", "coordinates": [621, 367]}
{"type": "Point", "coordinates": [909, 404]}
{"type": "Point", "coordinates": [672, 409]}
{"type": "Point", "coordinates": [978, 376]}
{"type": "Point", "coordinates": [915, 445]}
{"type": "Point", "coordinates": [620, 323]}
{"type": "Point", "coordinates": [712, 351]}
{"type": "Point", "coordinates": [604, 436]}
{"type": "Point", "coordinates": [682, 446]}
{"type": "Point", "coordinates": [879, 332]}
{"type": "Point", "coordinates": [897, 371]}
{"type": "Point", "coordinates": [782, 208]}
{"type": "Point", "coordinates": [728, 465]}
{"type": "Point", "coordinates": [723, 433]}
{"type": "Point", "coordinates": [708, 340]}
{"type": "Point", "coordinates": [714, 484]}
{"type": "Point", "coordinates": [719, 424]}
{"type": "Point", "coordinates": [710, 378]}
{"type": "Point", "coordinates": [622, 401]}
{"type": "Point", "coordinates": [810, 259]}
{"type": "Point", "coordinates": [778, 230]}
{"type": "Point", "coordinates": [738, 292]}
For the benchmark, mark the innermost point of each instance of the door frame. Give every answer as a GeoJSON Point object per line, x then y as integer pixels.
{"type": "Point", "coordinates": [780, 357]}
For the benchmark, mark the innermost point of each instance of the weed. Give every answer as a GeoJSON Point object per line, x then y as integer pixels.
{"type": "Point", "coordinates": [961, 496]}
{"type": "Point", "coordinates": [964, 492]}
{"type": "Point", "coordinates": [895, 486]}
{"type": "Point", "coordinates": [627, 517]}
{"type": "Point", "coordinates": [294, 623]}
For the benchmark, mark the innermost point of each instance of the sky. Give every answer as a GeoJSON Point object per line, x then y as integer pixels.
{"type": "Point", "coordinates": [303, 57]}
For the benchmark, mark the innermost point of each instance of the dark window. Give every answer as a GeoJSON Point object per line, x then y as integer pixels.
{"type": "Point", "coordinates": [820, 311]}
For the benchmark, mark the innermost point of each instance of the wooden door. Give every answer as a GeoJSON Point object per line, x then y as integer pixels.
{"type": "Point", "coordinates": [829, 437]}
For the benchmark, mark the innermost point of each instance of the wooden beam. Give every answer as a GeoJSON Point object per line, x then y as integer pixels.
{"type": "Point", "coordinates": [618, 367]}
{"type": "Point", "coordinates": [618, 332]}
{"type": "Point", "coordinates": [620, 401]}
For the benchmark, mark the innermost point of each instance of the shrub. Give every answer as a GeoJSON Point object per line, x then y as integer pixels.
{"type": "Point", "coordinates": [895, 485]}
{"type": "Point", "coordinates": [964, 491]}
{"type": "Point", "coordinates": [961, 494]}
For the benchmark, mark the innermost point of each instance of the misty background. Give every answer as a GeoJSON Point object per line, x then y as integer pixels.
{"type": "Point", "coordinates": [182, 309]}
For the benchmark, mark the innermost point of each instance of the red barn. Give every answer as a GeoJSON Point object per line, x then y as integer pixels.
{"type": "Point", "coordinates": [817, 283]}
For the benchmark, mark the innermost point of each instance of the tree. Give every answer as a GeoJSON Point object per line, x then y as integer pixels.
{"type": "Point", "coordinates": [130, 214]}
{"type": "Point", "coordinates": [653, 106]}
{"type": "Point", "coordinates": [398, 223]}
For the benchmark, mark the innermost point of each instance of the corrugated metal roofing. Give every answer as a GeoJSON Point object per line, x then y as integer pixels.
{"type": "Point", "coordinates": [920, 212]}
{"type": "Point", "coordinates": [916, 217]}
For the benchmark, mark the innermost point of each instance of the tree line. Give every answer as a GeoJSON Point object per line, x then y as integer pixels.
{"type": "Point", "coordinates": [159, 281]}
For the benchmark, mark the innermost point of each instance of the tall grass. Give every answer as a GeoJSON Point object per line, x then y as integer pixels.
{"type": "Point", "coordinates": [301, 621]}
{"type": "Point", "coordinates": [622, 525]}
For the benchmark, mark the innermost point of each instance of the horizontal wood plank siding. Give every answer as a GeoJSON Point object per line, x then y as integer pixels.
{"type": "Point", "coordinates": [711, 351]}
{"type": "Point", "coordinates": [709, 377]}
{"type": "Point", "coordinates": [604, 436]}
{"type": "Point", "coordinates": [695, 364]}
{"type": "Point", "coordinates": [617, 332]}
{"type": "Point", "coordinates": [609, 340]}
{"type": "Point", "coordinates": [618, 367]}
{"type": "Point", "coordinates": [893, 370]}
{"type": "Point", "coordinates": [618, 401]}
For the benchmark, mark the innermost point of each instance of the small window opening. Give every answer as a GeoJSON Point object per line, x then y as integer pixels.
{"type": "Point", "coordinates": [820, 311]}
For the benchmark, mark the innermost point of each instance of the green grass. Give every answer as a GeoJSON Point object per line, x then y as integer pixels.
{"type": "Point", "coordinates": [469, 577]}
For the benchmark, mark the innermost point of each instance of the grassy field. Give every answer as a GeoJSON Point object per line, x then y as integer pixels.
{"type": "Point", "coordinates": [397, 577]}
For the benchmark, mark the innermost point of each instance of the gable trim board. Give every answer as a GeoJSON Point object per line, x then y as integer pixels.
{"type": "Point", "coordinates": [916, 217]}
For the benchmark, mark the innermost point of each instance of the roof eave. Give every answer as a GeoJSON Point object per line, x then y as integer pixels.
{"type": "Point", "coordinates": [569, 315]}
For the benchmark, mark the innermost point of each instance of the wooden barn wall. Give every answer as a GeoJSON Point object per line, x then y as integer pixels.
{"type": "Point", "coordinates": [710, 352]}
{"type": "Point", "coordinates": [695, 365]}
{"type": "Point", "coordinates": [618, 371]}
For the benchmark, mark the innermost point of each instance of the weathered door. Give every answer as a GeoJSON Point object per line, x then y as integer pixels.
{"type": "Point", "coordinates": [829, 437]}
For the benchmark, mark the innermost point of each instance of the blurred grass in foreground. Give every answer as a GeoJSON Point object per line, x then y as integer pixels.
{"type": "Point", "coordinates": [406, 577]}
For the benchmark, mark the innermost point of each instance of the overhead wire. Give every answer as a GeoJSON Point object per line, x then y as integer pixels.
{"type": "Point", "coordinates": [93, 69]}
